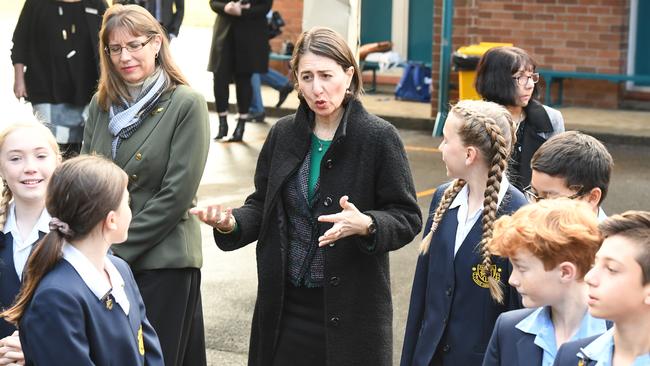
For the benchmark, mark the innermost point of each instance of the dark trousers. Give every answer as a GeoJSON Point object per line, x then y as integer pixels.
{"type": "Point", "coordinates": [243, 88]}
{"type": "Point", "coordinates": [173, 301]}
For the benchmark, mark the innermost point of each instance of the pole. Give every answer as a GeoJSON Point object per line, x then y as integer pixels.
{"type": "Point", "coordinates": [445, 58]}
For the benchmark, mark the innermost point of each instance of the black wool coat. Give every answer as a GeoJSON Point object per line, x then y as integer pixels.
{"type": "Point", "coordinates": [367, 162]}
{"type": "Point", "coordinates": [243, 39]}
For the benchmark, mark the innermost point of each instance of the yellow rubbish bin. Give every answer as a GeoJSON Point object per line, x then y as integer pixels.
{"type": "Point", "coordinates": [465, 60]}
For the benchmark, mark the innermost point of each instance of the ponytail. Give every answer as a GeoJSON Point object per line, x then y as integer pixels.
{"type": "Point", "coordinates": [45, 256]}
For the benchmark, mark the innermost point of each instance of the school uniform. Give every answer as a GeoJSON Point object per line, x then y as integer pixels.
{"type": "Point", "coordinates": [450, 287]}
{"type": "Point", "coordinates": [14, 253]}
{"type": "Point", "coordinates": [77, 318]}
{"type": "Point", "coordinates": [527, 337]}
{"type": "Point", "coordinates": [593, 351]}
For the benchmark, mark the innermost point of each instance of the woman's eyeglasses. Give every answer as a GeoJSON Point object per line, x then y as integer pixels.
{"type": "Point", "coordinates": [532, 196]}
{"type": "Point", "coordinates": [522, 80]}
{"type": "Point", "coordinates": [116, 50]}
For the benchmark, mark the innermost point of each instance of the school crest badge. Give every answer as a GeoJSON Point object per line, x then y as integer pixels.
{"type": "Point", "coordinates": [480, 275]}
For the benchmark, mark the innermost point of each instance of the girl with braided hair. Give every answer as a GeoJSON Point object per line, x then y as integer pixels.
{"type": "Point", "coordinates": [78, 304]}
{"type": "Point", "coordinates": [28, 156]}
{"type": "Point", "coordinates": [458, 289]}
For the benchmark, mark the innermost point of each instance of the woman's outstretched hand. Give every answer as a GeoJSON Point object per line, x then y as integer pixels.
{"type": "Point", "coordinates": [215, 216]}
{"type": "Point", "coordinates": [350, 221]}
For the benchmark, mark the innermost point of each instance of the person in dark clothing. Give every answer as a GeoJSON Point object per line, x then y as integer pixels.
{"type": "Point", "coordinates": [324, 293]}
{"type": "Point", "coordinates": [239, 48]}
{"type": "Point", "coordinates": [55, 58]}
{"type": "Point", "coordinates": [506, 75]}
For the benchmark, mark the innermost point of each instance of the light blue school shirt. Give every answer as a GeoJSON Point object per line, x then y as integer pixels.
{"type": "Point", "coordinates": [601, 350]}
{"type": "Point", "coordinates": [539, 323]}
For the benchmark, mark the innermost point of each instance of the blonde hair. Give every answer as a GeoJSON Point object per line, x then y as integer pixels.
{"type": "Point", "coordinates": [24, 123]}
{"type": "Point", "coordinates": [137, 21]}
{"type": "Point", "coordinates": [553, 230]}
{"type": "Point", "coordinates": [81, 193]}
{"type": "Point", "coordinates": [488, 127]}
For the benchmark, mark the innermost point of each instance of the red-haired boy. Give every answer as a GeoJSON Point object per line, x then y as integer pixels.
{"type": "Point", "coordinates": [551, 245]}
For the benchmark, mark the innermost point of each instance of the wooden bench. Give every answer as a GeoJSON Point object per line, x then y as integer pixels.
{"type": "Point", "coordinates": [551, 76]}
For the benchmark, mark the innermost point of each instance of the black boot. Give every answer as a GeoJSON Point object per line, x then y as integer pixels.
{"type": "Point", "coordinates": [223, 128]}
{"type": "Point", "coordinates": [238, 135]}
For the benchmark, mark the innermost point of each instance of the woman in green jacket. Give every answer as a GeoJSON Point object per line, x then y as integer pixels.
{"type": "Point", "coordinates": [149, 122]}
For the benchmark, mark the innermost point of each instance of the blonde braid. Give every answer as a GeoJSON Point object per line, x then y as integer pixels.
{"type": "Point", "coordinates": [447, 198]}
{"type": "Point", "coordinates": [490, 204]}
{"type": "Point", "coordinates": [7, 195]}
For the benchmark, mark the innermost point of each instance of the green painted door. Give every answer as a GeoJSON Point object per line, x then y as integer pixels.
{"type": "Point", "coordinates": [642, 46]}
{"type": "Point", "coordinates": [420, 30]}
{"type": "Point", "coordinates": [376, 20]}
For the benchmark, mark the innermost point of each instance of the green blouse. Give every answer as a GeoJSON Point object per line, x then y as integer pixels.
{"type": "Point", "coordinates": [318, 149]}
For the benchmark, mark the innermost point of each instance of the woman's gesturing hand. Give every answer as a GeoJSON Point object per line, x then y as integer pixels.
{"type": "Point", "coordinates": [215, 216]}
{"type": "Point", "coordinates": [350, 221]}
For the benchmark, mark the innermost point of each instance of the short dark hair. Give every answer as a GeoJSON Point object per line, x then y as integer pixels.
{"type": "Point", "coordinates": [579, 158]}
{"type": "Point", "coordinates": [323, 41]}
{"type": "Point", "coordinates": [635, 226]}
{"type": "Point", "coordinates": [494, 81]}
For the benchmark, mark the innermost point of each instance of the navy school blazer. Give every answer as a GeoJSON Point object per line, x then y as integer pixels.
{"type": "Point", "coordinates": [450, 289]}
{"type": "Point", "coordinates": [509, 345]}
{"type": "Point", "coordinates": [9, 281]}
{"type": "Point", "coordinates": [66, 324]}
{"type": "Point", "coordinates": [567, 355]}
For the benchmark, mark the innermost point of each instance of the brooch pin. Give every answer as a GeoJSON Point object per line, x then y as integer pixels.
{"type": "Point", "coordinates": [108, 301]}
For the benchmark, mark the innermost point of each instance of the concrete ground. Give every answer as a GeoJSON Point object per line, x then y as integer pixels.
{"type": "Point", "coordinates": [230, 279]}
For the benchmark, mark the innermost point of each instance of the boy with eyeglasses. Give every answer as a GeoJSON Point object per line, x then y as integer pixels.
{"type": "Point", "coordinates": [618, 290]}
{"type": "Point", "coordinates": [572, 165]}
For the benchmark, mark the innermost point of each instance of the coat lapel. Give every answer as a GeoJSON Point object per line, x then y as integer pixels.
{"type": "Point", "coordinates": [528, 353]}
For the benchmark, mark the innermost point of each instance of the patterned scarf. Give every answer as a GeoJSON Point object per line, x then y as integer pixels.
{"type": "Point", "coordinates": [125, 118]}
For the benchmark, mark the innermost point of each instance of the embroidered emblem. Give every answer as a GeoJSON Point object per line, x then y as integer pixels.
{"type": "Point", "coordinates": [480, 276]}
{"type": "Point", "coordinates": [140, 341]}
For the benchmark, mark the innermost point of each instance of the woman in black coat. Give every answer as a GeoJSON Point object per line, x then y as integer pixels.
{"type": "Point", "coordinates": [333, 195]}
{"type": "Point", "coordinates": [240, 48]}
{"type": "Point", "coordinates": [56, 63]}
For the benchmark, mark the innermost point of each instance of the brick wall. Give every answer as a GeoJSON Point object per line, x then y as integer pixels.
{"type": "Point", "coordinates": [575, 35]}
{"type": "Point", "coordinates": [291, 11]}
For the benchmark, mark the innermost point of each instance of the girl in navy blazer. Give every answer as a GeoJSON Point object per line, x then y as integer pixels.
{"type": "Point", "coordinates": [28, 156]}
{"type": "Point", "coordinates": [79, 305]}
{"type": "Point", "coordinates": [457, 290]}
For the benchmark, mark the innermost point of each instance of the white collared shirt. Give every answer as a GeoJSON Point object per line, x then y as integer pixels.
{"type": "Point", "coordinates": [22, 248]}
{"type": "Point", "coordinates": [466, 220]}
{"type": "Point", "coordinates": [95, 281]}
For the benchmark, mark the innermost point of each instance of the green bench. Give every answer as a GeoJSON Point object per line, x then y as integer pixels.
{"type": "Point", "coordinates": [551, 76]}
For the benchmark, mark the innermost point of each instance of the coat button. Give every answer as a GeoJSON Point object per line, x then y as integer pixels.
{"type": "Point", "coordinates": [334, 321]}
{"type": "Point", "coordinates": [331, 245]}
{"type": "Point", "coordinates": [329, 164]}
{"type": "Point", "coordinates": [334, 281]}
{"type": "Point", "coordinates": [446, 348]}
{"type": "Point", "coordinates": [327, 202]}
{"type": "Point", "coordinates": [448, 292]}
{"type": "Point", "coordinates": [138, 156]}
{"type": "Point", "coordinates": [134, 177]}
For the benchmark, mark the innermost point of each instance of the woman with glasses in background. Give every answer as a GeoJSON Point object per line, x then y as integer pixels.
{"type": "Point", "coordinates": [506, 75]}
{"type": "Point", "coordinates": [154, 126]}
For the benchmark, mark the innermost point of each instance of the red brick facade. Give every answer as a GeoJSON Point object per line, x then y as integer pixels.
{"type": "Point", "coordinates": [291, 11]}
{"type": "Point", "coordinates": [575, 35]}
